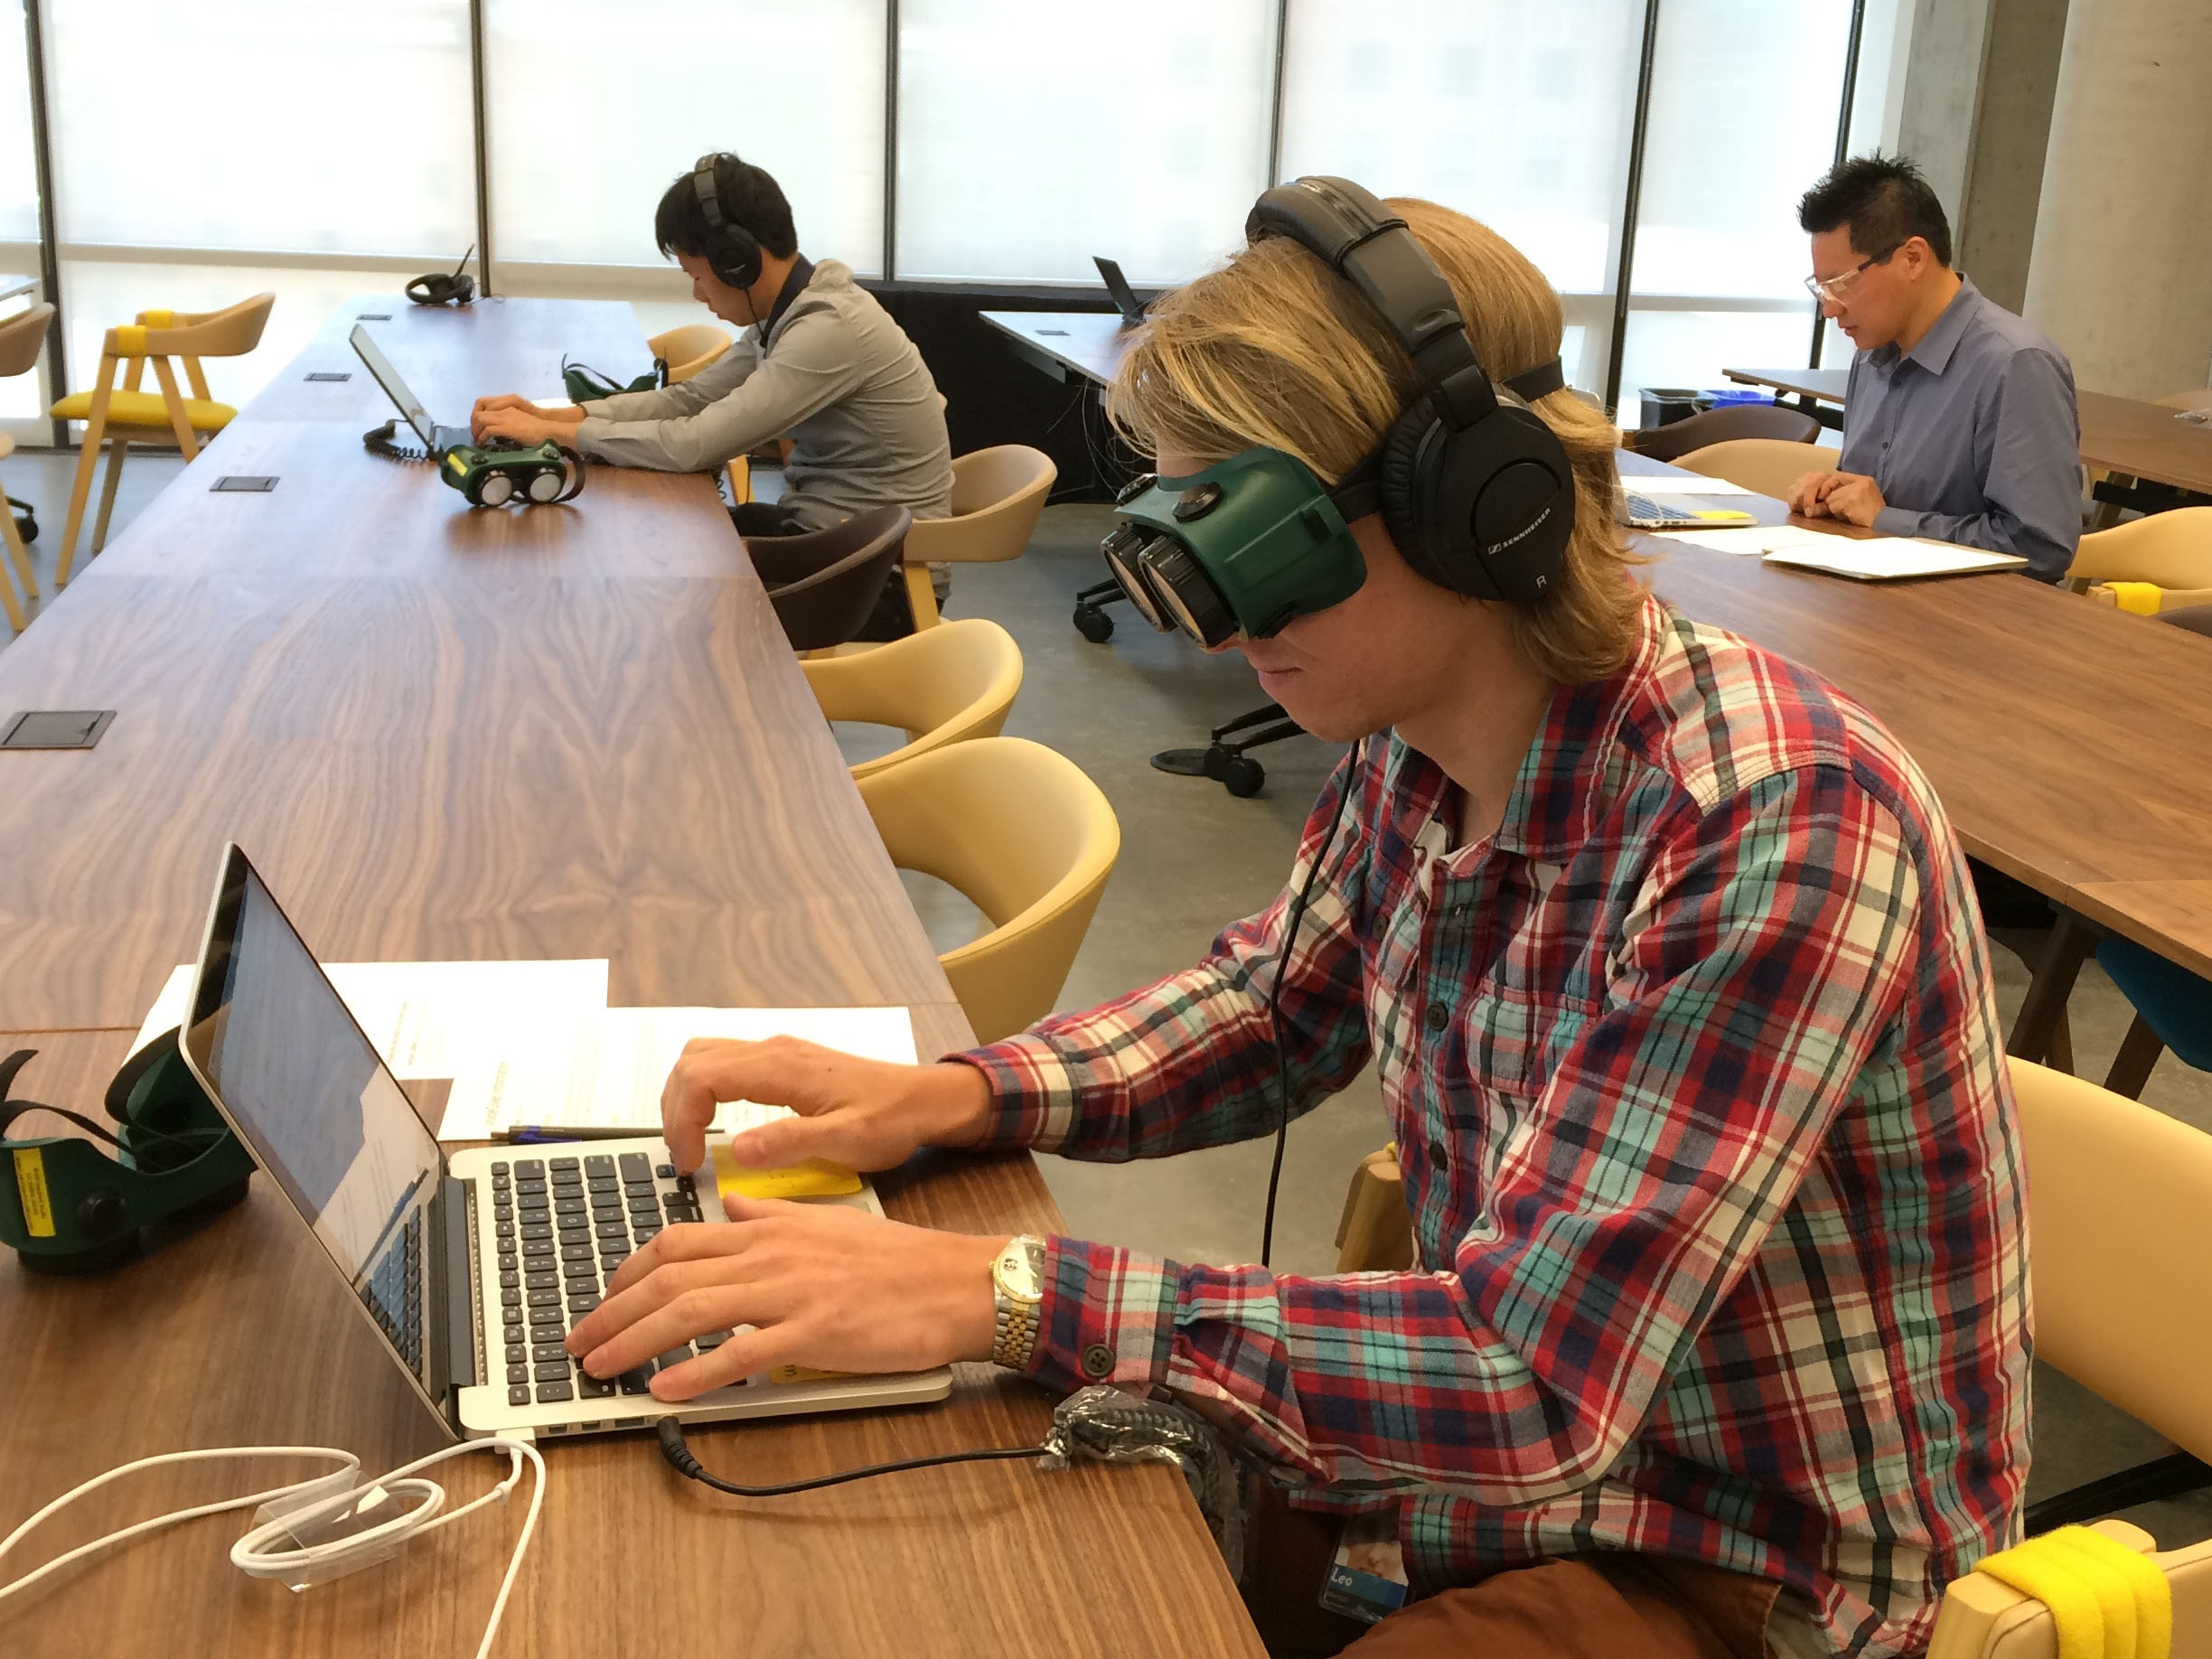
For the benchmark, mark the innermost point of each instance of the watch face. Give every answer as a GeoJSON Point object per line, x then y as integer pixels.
{"type": "Point", "coordinates": [1016, 1271]}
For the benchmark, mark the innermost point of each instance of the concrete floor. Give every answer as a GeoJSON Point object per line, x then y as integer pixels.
{"type": "Point", "coordinates": [1193, 858]}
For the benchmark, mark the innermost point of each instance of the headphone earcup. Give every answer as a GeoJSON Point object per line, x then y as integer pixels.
{"type": "Point", "coordinates": [1504, 484]}
{"type": "Point", "coordinates": [1397, 468]}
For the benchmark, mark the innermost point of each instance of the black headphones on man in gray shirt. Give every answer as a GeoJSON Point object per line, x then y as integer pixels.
{"type": "Point", "coordinates": [732, 253]}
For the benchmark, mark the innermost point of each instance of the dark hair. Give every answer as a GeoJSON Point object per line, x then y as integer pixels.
{"type": "Point", "coordinates": [1884, 200]}
{"type": "Point", "coordinates": [749, 197]}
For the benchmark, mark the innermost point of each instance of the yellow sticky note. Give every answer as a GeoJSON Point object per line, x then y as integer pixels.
{"type": "Point", "coordinates": [787, 1375]}
{"type": "Point", "coordinates": [1722, 515]}
{"type": "Point", "coordinates": [815, 1178]}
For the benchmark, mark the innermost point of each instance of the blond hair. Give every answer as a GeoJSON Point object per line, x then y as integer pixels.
{"type": "Point", "coordinates": [1276, 350]}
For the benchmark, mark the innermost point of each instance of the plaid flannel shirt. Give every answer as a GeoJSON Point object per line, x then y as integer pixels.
{"type": "Point", "coordinates": [1708, 1143]}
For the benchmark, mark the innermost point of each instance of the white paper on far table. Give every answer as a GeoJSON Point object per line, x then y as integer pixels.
{"type": "Point", "coordinates": [607, 1071]}
{"type": "Point", "coordinates": [1684, 486]}
{"type": "Point", "coordinates": [424, 1017]}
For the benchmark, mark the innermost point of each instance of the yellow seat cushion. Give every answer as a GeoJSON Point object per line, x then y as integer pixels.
{"type": "Point", "coordinates": [140, 409]}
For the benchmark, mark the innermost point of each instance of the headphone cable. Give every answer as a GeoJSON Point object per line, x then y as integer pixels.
{"type": "Point", "coordinates": [1282, 1064]}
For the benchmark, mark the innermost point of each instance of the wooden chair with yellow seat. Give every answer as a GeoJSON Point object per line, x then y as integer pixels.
{"type": "Point", "coordinates": [22, 337]}
{"type": "Point", "coordinates": [121, 416]}
{"type": "Point", "coordinates": [2152, 564]}
{"type": "Point", "coordinates": [1026, 837]}
{"type": "Point", "coordinates": [2121, 1277]}
{"type": "Point", "coordinates": [1767, 465]}
{"type": "Point", "coordinates": [997, 494]}
{"type": "Point", "coordinates": [689, 349]}
{"type": "Point", "coordinates": [946, 686]}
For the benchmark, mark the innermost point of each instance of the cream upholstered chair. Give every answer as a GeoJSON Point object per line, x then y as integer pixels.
{"type": "Point", "coordinates": [123, 415]}
{"type": "Point", "coordinates": [689, 349]}
{"type": "Point", "coordinates": [22, 337]}
{"type": "Point", "coordinates": [1024, 836]}
{"type": "Point", "coordinates": [2122, 1275]}
{"type": "Point", "coordinates": [996, 496]}
{"type": "Point", "coordinates": [2158, 562]}
{"type": "Point", "coordinates": [1768, 466]}
{"type": "Point", "coordinates": [945, 686]}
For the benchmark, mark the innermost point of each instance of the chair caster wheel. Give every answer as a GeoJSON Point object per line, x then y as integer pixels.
{"type": "Point", "coordinates": [1217, 759]}
{"type": "Point", "coordinates": [1242, 776]}
{"type": "Point", "coordinates": [1093, 624]}
{"type": "Point", "coordinates": [27, 528]}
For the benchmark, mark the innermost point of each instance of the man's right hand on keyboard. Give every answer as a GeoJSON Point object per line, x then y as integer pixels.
{"type": "Point", "coordinates": [865, 1114]}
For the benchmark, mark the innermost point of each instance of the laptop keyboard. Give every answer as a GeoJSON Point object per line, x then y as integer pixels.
{"type": "Point", "coordinates": [562, 1226]}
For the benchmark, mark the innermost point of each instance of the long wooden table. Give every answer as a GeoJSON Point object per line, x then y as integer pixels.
{"type": "Point", "coordinates": [2070, 743]}
{"type": "Point", "coordinates": [2122, 435]}
{"type": "Point", "coordinates": [557, 732]}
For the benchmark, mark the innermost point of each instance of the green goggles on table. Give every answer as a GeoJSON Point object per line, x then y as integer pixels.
{"type": "Point", "coordinates": [1239, 549]}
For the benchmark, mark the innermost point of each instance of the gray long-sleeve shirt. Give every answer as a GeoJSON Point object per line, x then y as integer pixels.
{"type": "Point", "coordinates": [837, 376]}
{"type": "Point", "coordinates": [1973, 436]}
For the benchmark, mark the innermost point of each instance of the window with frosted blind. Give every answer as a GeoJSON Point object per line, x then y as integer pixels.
{"type": "Point", "coordinates": [1719, 261]}
{"type": "Point", "coordinates": [247, 128]}
{"type": "Point", "coordinates": [1034, 134]}
{"type": "Point", "coordinates": [1515, 114]}
{"type": "Point", "coordinates": [24, 396]}
{"type": "Point", "coordinates": [591, 112]}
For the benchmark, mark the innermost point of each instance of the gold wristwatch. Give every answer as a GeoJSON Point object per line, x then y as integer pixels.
{"type": "Point", "coordinates": [1018, 1287]}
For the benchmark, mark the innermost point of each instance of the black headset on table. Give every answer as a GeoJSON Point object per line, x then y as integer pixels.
{"type": "Point", "coordinates": [732, 252]}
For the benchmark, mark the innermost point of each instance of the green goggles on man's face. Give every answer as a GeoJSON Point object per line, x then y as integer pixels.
{"type": "Point", "coordinates": [1239, 549]}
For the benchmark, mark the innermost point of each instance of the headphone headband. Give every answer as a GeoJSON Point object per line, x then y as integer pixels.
{"type": "Point", "coordinates": [1349, 229]}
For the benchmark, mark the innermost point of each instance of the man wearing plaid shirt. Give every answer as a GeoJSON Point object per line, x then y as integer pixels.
{"type": "Point", "coordinates": [1716, 1342]}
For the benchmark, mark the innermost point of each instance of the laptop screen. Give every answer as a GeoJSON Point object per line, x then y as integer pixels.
{"type": "Point", "coordinates": [315, 1104]}
{"type": "Point", "coordinates": [396, 389]}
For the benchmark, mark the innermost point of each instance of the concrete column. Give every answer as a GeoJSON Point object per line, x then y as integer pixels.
{"type": "Point", "coordinates": [2122, 273]}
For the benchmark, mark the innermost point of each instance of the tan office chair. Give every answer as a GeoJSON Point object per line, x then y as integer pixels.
{"type": "Point", "coordinates": [2170, 553]}
{"type": "Point", "coordinates": [2122, 1275]}
{"type": "Point", "coordinates": [996, 496]}
{"type": "Point", "coordinates": [1768, 466]}
{"type": "Point", "coordinates": [1721, 426]}
{"type": "Point", "coordinates": [952, 683]}
{"type": "Point", "coordinates": [1025, 837]}
{"type": "Point", "coordinates": [22, 338]}
{"type": "Point", "coordinates": [123, 415]}
{"type": "Point", "coordinates": [689, 349]}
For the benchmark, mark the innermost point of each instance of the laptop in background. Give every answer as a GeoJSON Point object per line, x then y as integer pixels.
{"type": "Point", "coordinates": [470, 1268]}
{"type": "Point", "coordinates": [1124, 296]}
{"type": "Point", "coordinates": [435, 438]}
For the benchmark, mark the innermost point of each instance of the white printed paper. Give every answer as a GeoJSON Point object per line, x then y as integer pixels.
{"type": "Point", "coordinates": [424, 1017]}
{"type": "Point", "coordinates": [1669, 487]}
{"type": "Point", "coordinates": [607, 1071]}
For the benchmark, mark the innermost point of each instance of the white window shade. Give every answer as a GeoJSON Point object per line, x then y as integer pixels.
{"type": "Point", "coordinates": [18, 177]}
{"type": "Point", "coordinates": [1516, 114]}
{"type": "Point", "coordinates": [1034, 134]}
{"type": "Point", "coordinates": [264, 124]}
{"type": "Point", "coordinates": [1725, 158]}
{"type": "Point", "coordinates": [592, 113]}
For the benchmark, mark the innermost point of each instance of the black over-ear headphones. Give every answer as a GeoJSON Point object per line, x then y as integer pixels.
{"type": "Point", "coordinates": [1475, 490]}
{"type": "Point", "coordinates": [732, 253]}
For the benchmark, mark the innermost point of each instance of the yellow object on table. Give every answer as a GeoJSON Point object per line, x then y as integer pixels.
{"type": "Point", "coordinates": [815, 1178]}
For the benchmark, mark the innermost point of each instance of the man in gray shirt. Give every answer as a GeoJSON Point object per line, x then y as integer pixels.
{"type": "Point", "coordinates": [820, 363]}
{"type": "Point", "coordinates": [1960, 421]}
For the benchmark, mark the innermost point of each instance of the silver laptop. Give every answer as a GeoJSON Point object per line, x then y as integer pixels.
{"type": "Point", "coordinates": [470, 1268]}
{"type": "Point", "coordinates": [435, 438]}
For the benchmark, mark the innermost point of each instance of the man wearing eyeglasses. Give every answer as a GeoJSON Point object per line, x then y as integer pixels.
{"type": "Point", "coordinates": [1960, 419]}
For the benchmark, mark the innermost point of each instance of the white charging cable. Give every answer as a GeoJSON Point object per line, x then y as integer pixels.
{"type": "Point", "coordinates": [318, 1498]}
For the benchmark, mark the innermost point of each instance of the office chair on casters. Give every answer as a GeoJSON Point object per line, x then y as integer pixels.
{"type": "Point", "coordinates": [1224, 758]}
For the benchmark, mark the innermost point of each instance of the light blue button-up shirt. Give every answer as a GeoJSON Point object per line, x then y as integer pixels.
{"type": "Point", "coordinates": [1973, 436]}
